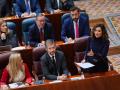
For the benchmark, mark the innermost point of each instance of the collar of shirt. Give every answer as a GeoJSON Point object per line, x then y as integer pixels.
{"type": "Point", "coordinates": [52, 56]}
{"type": "Point", "coordinates": [40, 28]}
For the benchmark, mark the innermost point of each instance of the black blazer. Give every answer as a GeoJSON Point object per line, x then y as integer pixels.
{"type": "Point", "coordinates": [35, 36]}
{"type": "Point", "coordinates": [48, 68]}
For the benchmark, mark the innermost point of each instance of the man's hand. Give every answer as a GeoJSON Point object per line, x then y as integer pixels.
{"type": "Point", "coordinates": [57, 11]}
{"type": "Point", "coordinates": [25, 14]}
{"type": "Point", "coordinates": [32, 14]}
{"type": "Point", "coordinates": [70, 40]}
{"type": "Point", "coordinates": [62, 77]}
{"type": "Point", "coordinates": [3, 36]}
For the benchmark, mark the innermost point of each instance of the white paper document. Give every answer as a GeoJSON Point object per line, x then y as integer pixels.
{"type": "Point", "coordinates": [16, 85]}
{"type": "Point", "coordinates": [85, 65]}
{"type": "Point", "coordinates": [56, 81]}
{"type": "Point", "coordinates": [76, 78]}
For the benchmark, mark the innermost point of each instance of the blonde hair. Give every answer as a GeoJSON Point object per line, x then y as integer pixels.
{"type": "Point", "coordinates": [14, 65]}
{"type": "Point", "coordinates": [1, 21]}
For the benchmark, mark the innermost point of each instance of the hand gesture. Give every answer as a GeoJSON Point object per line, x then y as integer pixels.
{"type": "Point", "coordinates": [90, 53]}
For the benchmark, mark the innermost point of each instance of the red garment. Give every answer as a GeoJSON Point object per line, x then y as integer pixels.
{"type": "Point", "coordinates": [77, 29]}
{"type": "Point", "coordinates": [5, 76]}
{"type": "Point", "coordinates": [41, 35]}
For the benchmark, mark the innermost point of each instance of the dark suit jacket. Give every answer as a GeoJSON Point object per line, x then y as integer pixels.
{"type": "Point", "coordinates": [21, 7]}
{"type": "Point", "coordinates": [10, 40]}
{"type": "Point", "coordinates": [35, 36]}
{"type": "Point", "coordinates": [52, 5]}
{"type": "Point", "coordinates": [68, 27]}
{"type": "Point", "coordinates": [5, 8]}
{"type": "Point", "coordinates": [48, 68]}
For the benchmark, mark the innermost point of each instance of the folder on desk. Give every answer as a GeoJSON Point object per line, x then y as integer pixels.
{"type": "Point", "coordinates": [85, 65]}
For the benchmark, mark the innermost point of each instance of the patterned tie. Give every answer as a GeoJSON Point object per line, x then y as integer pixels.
{"type": "Point", "coordinates": [41, 35]}
{"type": "Point", "coordinates": [77, 30]}
{"type": "Point", "coordinates": [28, 6]}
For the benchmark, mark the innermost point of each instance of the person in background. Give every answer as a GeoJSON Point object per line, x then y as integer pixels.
{"type": "Point", "coordinates": [53, 62]}
{"type": "Point", "coordinates": [40, 31]}
{"type": "Point", "coordinates": [56, 6]}
{"type": "Point", "coordinates": [98, 49]}
{"type": "Point", "coordinates": [5, 8]}
{"type": "Point", "coordinates": [15, 71]}
{"type": "Point", "coordinates": [27, 8]}
{"type": "Point", "coordinates": [7, 36]}
{"type": "Point", "coordinates": [75, 26]}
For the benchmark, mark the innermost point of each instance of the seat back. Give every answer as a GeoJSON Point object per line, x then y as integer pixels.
{"type": "Point", "coordinates": [81, 44]}
{"type": "Point", "coordinates": [4, 59]}
{"type": "Point", "coordinates": [25, 28]}
{"type": "Point", "coordinates": [5, 48]}
{"type": "Point", "coordinates": [37, 54]}
{"type": "Point", "coordinates": [80, 47]}
{"type": "Point", "coordinates": [64, 17]}
{"type": "Point", "coordinates": [11, 25]}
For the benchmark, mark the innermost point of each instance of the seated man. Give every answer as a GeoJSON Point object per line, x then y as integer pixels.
{"type": "Point", "coordinates": [55, 6]}
{"type": "Point", "coordinates": [7, 36]}
{"type": "Point", "coordinates": [53, 62]}
{"type": "Point", "coordinates": [75, 26]}
{"type": "Point", "coordinates": [40, 31]}
{"type": "Point", "coordinates": [25, 8]}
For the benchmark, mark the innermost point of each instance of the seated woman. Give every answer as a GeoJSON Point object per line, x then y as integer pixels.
{"type": "Point", "coordinates": [98, 49]}
{"type": "Point", "coordinates": [7, 36]}
{"type": "Point", "coordinates": [15, 71]}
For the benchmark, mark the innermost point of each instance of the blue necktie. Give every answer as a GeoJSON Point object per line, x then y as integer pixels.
{"type": "Point", "coordinates": [27, 6]}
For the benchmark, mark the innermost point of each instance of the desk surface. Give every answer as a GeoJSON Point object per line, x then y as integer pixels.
{"type": "Point", "coordinates": [108, 81]}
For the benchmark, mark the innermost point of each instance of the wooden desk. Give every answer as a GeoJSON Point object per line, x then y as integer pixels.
{"type": "Point", "coordinates": [107, 82]}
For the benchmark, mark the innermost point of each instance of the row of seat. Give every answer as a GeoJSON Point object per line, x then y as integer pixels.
{"type": "Point", "coordinates": [32, 56]}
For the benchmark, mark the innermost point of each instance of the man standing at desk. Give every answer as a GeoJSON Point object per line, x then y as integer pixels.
{"type": "Point", "coordinates": [40, 31]}
{"type": "Point", "coordinates": [25, 8]}
{"type": "Point", "coordinates": [75, 26]}
{"type": "Point", "coordinates": [55, 6]}
{"type": "Point", "coordinates": [53, 62]}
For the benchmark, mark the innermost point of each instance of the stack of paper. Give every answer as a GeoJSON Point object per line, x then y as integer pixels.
{"type": "Point", "coordinates": [85, 65]}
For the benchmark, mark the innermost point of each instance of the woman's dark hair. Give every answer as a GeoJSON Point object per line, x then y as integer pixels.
{"type": "Point", "coordinates": [104, 31]}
